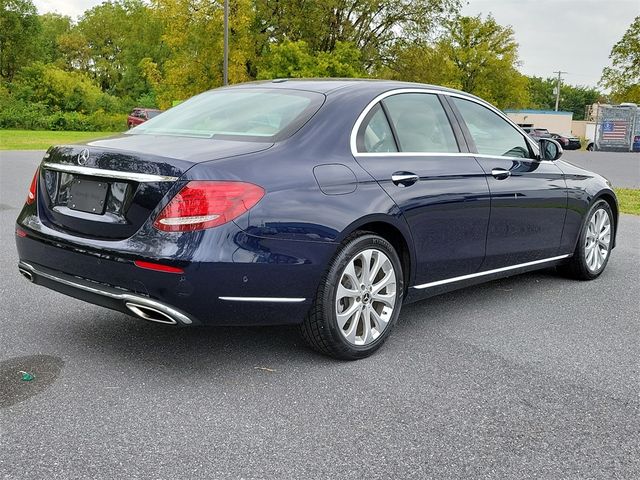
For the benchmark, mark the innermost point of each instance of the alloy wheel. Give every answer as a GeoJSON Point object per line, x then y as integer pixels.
{"type": "Point", "coordinates": [365, 297]}
{"type": "Point", "coordinates": [597, 240]}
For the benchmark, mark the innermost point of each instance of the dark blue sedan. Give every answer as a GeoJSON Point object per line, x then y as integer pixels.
{"type": "Point", "coordinates": [326, 204]}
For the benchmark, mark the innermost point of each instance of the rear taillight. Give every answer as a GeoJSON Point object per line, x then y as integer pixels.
{"type": "Point", "coordinates": [206, 204]}
{"type": "Point", "coordinates": [31, 196]}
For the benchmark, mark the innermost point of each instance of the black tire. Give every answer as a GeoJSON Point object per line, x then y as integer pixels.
{"type": "Point", "coordinates": [577, 267]}
{"type": "Point", "coordinates": [590, 147]}
{"type": "Point", "coordinates": [320, 328]}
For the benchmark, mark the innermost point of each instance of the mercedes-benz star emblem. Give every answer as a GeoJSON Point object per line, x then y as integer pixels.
{"type": "Point", "coordinates": [83, 156]}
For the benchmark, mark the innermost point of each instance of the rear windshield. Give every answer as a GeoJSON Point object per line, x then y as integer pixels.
{"type": "Point", "coordinates": [237, 114]}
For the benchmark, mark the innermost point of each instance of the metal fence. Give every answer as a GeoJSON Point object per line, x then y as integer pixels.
{"type": "Point", "coordinates": [618, 128]}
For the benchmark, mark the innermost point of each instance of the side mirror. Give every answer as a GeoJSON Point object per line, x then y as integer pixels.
{"type": "Point", "coordinates": [550, 149]}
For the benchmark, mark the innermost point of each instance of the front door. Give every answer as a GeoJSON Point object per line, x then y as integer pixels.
{"type": "Point", "coordinates": [528, 196]}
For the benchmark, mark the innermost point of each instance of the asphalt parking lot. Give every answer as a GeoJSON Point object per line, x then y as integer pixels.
{"type": "Point", "coordinates": [534, 376]}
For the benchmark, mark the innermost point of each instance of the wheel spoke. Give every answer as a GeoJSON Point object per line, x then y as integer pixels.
{"type": "Point", "coordinates": [387, 280]}
{"type": "Point", "coordinates": [350, 334]}
{"type": "Point", "coordinates": [350, 273]}
{"type": "Point", "coordinates": [365, 258]}
{"type": "Point", "coordinates": [598, 260]}
{"type": "Point", "coordinates": [344, 292]}
{"type": "Point", "coordinates": [590, 255]}
{"type": "Point", "coordinates": [387, 299]}
{"type": "Point", "coordinates": [377, 265]}
{"type": "Point", "coordinates": [343, 317]}
{"type": "Point", "coordinates": [366, 326]}
{"type": "Point", "coordinates": [380, 322]}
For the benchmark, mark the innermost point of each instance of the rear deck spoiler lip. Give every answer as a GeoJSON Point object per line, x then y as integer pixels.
{"type": "Point", "coordinates": [117, 174]}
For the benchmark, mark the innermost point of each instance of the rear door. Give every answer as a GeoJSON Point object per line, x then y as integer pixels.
{"type": "Point", "coordinates": [408, 144]}
{"type": "Point", "coordinates": [528, 196]}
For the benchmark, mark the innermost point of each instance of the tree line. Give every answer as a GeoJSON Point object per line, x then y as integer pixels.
{"type": "Point", "coordinates": [84, 74]}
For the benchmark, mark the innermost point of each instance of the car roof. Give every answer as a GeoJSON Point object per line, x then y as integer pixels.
{"type": "Point", "coordinates": [328, 85]}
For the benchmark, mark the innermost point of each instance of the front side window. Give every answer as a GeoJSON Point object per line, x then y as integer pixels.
{"type": "Point", "coordinates": [492, 134]}
{"type": "Point", "coordinates": [247, 114]}
{"type": "Point", "coordinates": [421, 123]}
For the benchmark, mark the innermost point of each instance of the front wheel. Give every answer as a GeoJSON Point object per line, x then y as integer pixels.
{"type": "Point", "coordinates": [358, 300]}
{"type": "Point", "coordinates": [594, 244]}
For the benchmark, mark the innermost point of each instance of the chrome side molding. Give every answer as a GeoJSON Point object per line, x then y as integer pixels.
{"type": "Point", "coordinates": [117, 174]}
{"type": "Point", "coordinates": [488, 272]}
{"type": "Point", "coordinates": [263, 299]}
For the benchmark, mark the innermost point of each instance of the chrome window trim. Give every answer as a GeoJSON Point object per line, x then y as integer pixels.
{"type": "Point", "coordinates": [98, 172]}
{"type": "Point", "coordinates": [263, 299]}
{"type": "Point", "coordinates": [382, 96]}
{"type": "Point", "coordinates": [488, 272]}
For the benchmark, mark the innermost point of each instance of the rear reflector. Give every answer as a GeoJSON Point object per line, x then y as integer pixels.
{"type": "Point", "coordinates": [206, 204]}
{"type": "Point", "coordinates": [31, 196]}
{"type": "Point", "coordinates": [158, 267]}
{"type": "Point", "coordinates": [20, 232]}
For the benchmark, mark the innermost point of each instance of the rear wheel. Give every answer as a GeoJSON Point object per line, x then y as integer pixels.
{"type": "Point", "coordinates": [590, 147]}
{"type": "Point", "coordinates": [358, 300]}
{"type": "Point", "coordinates": [594, 245]}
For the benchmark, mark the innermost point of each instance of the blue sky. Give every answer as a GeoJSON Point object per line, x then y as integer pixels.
{"type": "Point", "coordinates": [571, 35]}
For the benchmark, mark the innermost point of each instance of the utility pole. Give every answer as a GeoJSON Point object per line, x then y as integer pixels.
{"type": "Point", "coordinates": [559, 72]}
{"type": "Point", "coordinates": [225, 67]}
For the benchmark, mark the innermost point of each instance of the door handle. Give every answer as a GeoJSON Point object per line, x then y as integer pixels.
{"type": "Point", "coordinates": [404, 178]}
{"type": "Point", "coordinates": [500, 173]}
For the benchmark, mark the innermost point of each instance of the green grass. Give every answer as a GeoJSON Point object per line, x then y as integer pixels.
{"type": "Point", "coordinates": [628, 200]}
{"type": "Point", "coordinates": [41, 140]}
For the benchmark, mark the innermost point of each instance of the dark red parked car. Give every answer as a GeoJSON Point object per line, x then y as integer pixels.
{"type": "Point", "coordinates": [141, 115]}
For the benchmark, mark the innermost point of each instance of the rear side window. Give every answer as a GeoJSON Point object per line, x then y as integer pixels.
{"type": "Point", "coordinates": [492, 134]}
{"type": "Point", "coordinates": [421, 124]}
{"type": "Point", "coordinates": [376, 134]}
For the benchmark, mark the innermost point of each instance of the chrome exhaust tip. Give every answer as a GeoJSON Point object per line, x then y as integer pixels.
{"type": "Point", "coordinates": [26, 273]}
{"type": "Point", "coordinates": [149, 313]}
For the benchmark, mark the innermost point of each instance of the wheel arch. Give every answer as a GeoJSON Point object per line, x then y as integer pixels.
{"type": "Point", "coordinates": [610, 197]}
{"type": "Point", "coordinates": [392, 230]}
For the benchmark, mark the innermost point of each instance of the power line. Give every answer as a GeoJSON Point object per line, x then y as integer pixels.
{"type": "Point", "coordinates": [559, 72]}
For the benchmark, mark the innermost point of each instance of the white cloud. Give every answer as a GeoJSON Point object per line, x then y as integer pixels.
{"type": "Point", "coordinates": [72, 8]}
{"type": "Point", "coordinates": [575, 36]}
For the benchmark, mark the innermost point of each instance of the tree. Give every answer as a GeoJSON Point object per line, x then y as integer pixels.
{"type": "Point", "coordinates": [623, 77]}
{"type": "Point", "coordinates": [53, 26]}
{"type": "Point", "coordinates": [296, 60]}
{"type": "Point", "coordinates": [477, 56]}
{"type": "Point", "coordinates": [19, 29]}
{"type": "Point", "coordinates": [111, 40]}
{"type": "Point", "coordinates": [572, 98]}
{"type": "Point", "coordinates": [373, 26]}
{"type": "Point", "coordinates": [485, 55]}
{"type": "Point", "coordinates": [193, 34]}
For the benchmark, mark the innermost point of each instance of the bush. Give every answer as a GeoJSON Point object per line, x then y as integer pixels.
{"type": "Point", "coordinates": [17, 114]}
{"type": "Point", "coordinates": [62, 90]}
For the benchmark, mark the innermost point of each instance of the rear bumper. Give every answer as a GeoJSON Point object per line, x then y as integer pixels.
{"type": "Point", "coordinates": [105, 295]}
{"type": "Point", "coordinates": [229, 277]}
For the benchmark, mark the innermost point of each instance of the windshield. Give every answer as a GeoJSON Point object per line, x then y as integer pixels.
{"type": "Point", "coordinates": [237, 114]}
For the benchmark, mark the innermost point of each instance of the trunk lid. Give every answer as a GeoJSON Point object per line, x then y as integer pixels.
{"type": "Point", "coordinates": [107, 189]}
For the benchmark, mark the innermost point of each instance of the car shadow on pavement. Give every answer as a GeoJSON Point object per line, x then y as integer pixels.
{"type": "Point", "coordinates": [104, 333]}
